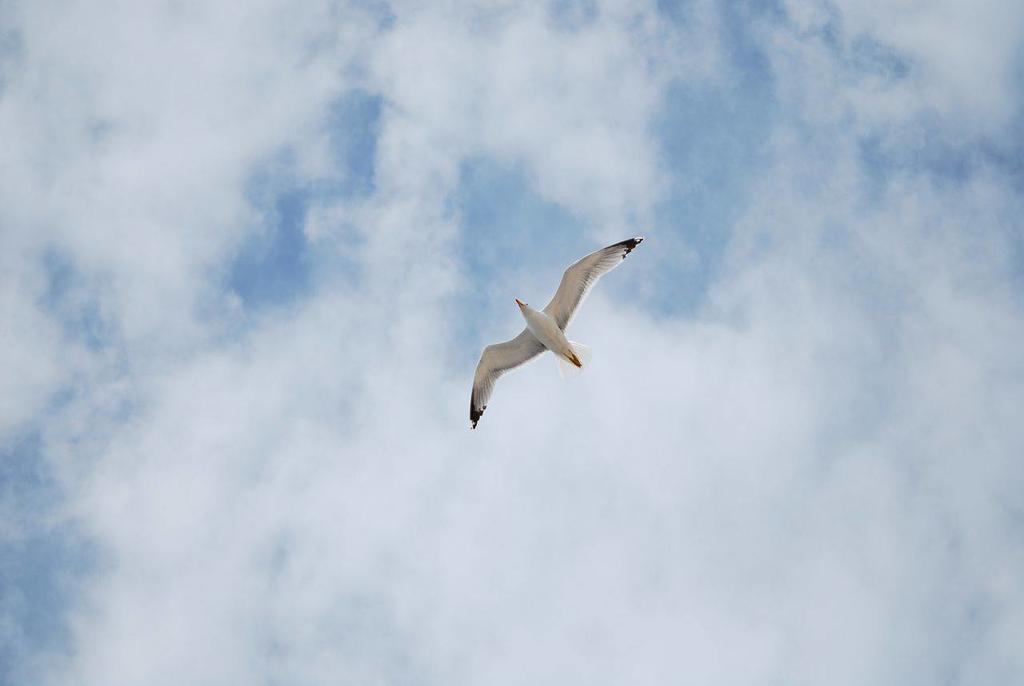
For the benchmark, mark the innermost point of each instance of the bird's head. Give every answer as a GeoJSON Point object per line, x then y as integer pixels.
{"type": "Point", "coordinates": [520, 303]}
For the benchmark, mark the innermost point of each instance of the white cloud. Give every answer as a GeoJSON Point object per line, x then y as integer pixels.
{"type": "Point", "coordinates": [814, 477]}
{"type": "Point", "coordinates": [138, 128]}
{"type": "Point", "coordinates": [957, 63]}
{"type": "Point", "coordinates": [30, 363]}
{"type": "Point", "coordinates": [966, 55]}
{"type": "Point", "coordinates": [575, 107]}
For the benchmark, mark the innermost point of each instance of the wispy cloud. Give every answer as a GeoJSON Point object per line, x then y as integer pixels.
{"type": "Point", "coordinates": [249, 257]}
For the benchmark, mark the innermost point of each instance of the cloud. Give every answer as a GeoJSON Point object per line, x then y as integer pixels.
{"type": "Point", "coordinates": [243, 343]}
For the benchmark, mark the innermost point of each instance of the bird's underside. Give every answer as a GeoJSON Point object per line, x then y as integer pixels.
{"type": "Point", "coordinates": [546, 328]}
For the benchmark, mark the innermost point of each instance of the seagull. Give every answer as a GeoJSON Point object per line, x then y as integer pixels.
{"type": "Point", "coordinates": [545, 329]}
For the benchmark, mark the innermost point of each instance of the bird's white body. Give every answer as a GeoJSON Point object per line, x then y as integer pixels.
{"type": "Point", "coordinates": [545, 329]}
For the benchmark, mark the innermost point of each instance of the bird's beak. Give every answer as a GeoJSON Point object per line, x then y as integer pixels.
{"type": "Point", "coordinates": [520, 303]}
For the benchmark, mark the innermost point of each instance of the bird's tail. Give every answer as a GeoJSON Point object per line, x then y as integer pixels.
{"type": "Point", "coordinates": [583, 355]}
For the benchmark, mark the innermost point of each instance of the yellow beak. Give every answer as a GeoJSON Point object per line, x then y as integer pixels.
{"type": "Point", "coordinates": [520, 303]}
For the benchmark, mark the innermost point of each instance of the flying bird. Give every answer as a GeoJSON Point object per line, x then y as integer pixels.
{"type": "Point", "coordinates": [545, 329]}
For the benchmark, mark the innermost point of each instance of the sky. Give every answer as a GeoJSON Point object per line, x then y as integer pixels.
{"type": "Point", "coordinates": [250, 253]}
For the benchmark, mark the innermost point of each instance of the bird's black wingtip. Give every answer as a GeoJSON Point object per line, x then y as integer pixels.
{"type": "Point", "coordinates": [475, 414]}
{"type": "Point", "coordinates": [629, 244]}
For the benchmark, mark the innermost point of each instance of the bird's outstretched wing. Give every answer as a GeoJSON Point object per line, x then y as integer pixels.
{"type": "Point", "coordinates": [496, 360]}
{"type": "Point", "coordinates": [580, 277]}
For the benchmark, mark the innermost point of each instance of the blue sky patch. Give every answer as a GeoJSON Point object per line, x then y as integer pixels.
{"type": "Point", "coordinates": [41, 568]}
